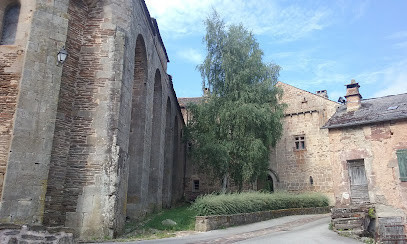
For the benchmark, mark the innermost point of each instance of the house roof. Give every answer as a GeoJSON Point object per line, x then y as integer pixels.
{"type": "Point", "coordinates": [314, 94]}
{"type": "Point", "coordinates": [372, 110]}
{"type": "Point", "coordinates": [183, 101]}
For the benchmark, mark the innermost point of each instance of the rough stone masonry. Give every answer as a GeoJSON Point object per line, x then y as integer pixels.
{"type": "Point", "coordinates": [89, 142]}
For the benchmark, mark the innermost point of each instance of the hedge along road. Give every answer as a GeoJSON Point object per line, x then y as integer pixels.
{"type": "Point", "coordinates": [290, 229]}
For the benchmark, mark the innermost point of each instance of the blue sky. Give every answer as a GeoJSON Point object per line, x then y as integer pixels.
{"type": "Point", "coordinates": [318, 44]}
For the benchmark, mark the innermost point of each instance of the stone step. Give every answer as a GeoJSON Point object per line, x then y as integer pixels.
{"type": "Point", "coordinates": [356, 231]}
{"type": "Point", "coordinates": [348, 218]}
{"type": "Point", "coordinates": [353, 223]}
{"type": "Point", "coordinates": [337, 215]}
{"type": "Point", "coordinates": [347, 226]}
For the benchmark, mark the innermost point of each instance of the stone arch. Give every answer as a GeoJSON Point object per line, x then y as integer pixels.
{"type": "Point", "coordinates": [272, 176]}
{"type": "Point", "coordinates": [270, 182]}
{"type": "Point", "coordinates": [9, 15]}
{"type": "Point", "coordinates": [166, 189]}
{"type": "Point", "coordinates": [155, 156]}
{"type": "Point", "coordinates": [137, 128]}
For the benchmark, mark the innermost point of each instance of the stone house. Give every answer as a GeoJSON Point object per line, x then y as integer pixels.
{"type": "Point", "coordinates": [88, 142]}
{"type": "Point", "coordinates": [299, 162]}
{"type": "Point", "coordinates": [368, 152]}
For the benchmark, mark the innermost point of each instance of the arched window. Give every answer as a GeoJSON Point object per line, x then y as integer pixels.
{"type": "Point", "coordinates": [10, 22]}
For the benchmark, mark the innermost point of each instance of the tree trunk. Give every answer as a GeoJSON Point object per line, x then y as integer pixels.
{"type": "Point", "coordinates": [224, 183]}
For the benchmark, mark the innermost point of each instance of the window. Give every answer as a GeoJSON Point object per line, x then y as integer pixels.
{"type": "Point", "coordinates": [299, 142]}
{"type": "Point", "coordinates": [196, 185]}
{"type": "Point", "coordinates": [10, 22]}
{"type": "Point", "coordinates": [402, 160]}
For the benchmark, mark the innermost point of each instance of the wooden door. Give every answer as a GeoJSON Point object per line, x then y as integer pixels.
{"type": "Point", "coordinates": [359, 192]}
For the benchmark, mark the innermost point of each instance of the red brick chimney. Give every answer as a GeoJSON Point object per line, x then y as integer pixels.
{"type": "Point", "coordinates": [353, 96]}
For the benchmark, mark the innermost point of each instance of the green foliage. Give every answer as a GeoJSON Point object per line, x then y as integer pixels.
{"type": "Point", "coordinates": [372, 213]}
{"type": "Point", "coordinates": [151, 227]}
{"type": "Point", "coordinates": [234, 128]}
{"type": "Point", "coordinates": [183, 216]}
{"type": "Point", "coordinates": [247, 202]}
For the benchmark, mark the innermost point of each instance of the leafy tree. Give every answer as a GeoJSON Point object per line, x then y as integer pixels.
{"type": "Point", "coordinates": [233, 129]}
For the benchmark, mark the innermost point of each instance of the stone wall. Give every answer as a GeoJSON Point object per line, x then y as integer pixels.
{"type": "Point", "coordinates": [11, 68]}
{"type": "Point", "coordinates": [290, 169]}
{"type": "Point", "coordinates": [89, 145]}
{"type": "Point", "coordinates": [41, 32]}
{"type": "Point", "coordinates": [376, 145]}
{"type": "Point", "coordinates": [304, 116]}
{"type": "Point", "coordinates": [33, 234]}
{"type": "Point", "coordinates": [207, 223]}
{"type": "Point", "coordinates": [208, 183]}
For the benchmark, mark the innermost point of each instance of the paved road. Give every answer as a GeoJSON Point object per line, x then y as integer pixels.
{"type": "Point", "coordinates": [290, 229]}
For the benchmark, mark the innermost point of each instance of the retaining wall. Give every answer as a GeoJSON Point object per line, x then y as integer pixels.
{"type": "Point", "coordinates": [11, 234]}
{"type": "Point", "coordinates": [207, 223]}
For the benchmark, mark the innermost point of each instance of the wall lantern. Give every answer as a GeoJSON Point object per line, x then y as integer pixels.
{"type": "Point", "coordinates": [62, 55]}
{"type": "Point", "coordinates": [311, 180]}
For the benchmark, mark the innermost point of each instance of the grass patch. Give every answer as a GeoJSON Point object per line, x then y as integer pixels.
{"type": "Point", "coordinates": [184, 216]}
{"type": "Point", "coordinates": [247, 202]}
{"type": "Point", "coordinates": [151, 227]}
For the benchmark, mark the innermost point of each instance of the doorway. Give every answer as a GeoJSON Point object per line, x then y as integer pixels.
{"type": "Point", "coordinates": [358, 182]}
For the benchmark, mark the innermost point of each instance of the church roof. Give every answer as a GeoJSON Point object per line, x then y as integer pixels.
{"type": "Point", "coordinates": [374, 110]}
{"type": "Point", "coordinates": [183, 101]}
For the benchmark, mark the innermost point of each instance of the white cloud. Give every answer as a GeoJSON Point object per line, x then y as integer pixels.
{"type": "Point", "coordinates": [191, 55]}
{"type": "Point", "coordinates": [397, 86]}
{"type": "Point", "coordinates": [400, 39]}
{"type": "Point", "coordinates": [323, 71]}
{"type": "Point", "coordinates": [360, 9]}
{"type": "Point", "coordinates": [401, 44]}
{"type": "Point", "coordinates": [398, 35]}
{"type": "Point", "coordinates": [390, 80]}
{"type": "Point", "coordinates": [177, 18]}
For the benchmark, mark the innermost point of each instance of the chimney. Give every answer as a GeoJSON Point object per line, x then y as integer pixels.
{"type": "Point", "coordinates": [322, 93]}
{"type": "Point", "coordinates": [353, 96]}
{"type": "Point", "coordinates": [206, 92]}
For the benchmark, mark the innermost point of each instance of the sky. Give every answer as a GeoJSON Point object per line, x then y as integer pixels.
{"type": "Point", "coordinates": [320, 45]}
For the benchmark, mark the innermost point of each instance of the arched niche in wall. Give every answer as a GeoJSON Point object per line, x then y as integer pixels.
{"type": "Point", "coordinates": [166, 190]}
{"type": "Point", "coordinates": [137, 127]}
{"type": "Point", "coordinates": [9, 15]}
{"type": "Point", "coordinates": [154, 185]}
{"type": "Point", "coordinates": [176, 184]}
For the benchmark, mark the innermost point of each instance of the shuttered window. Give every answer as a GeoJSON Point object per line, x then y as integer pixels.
{"type": "Point", "coordinates": [402, 159]}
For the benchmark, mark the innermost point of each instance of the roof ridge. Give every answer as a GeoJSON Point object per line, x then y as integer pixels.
{"type": "Point", "coordinates": [392, 95]}
{"type": "Point", "coordinates": [307, 91]}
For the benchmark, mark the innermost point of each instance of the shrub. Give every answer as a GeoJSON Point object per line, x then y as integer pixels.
{"type": "Point", "coordinates": [247, 202]}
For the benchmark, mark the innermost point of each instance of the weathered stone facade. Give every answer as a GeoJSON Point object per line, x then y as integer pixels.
{"type": "Point", "coordinates": [300, 160]}
{"type": "Point", "coordinates": [86, 143]}
{"type": "Point", "coordinates": [371, 135]}
{"type": "Point", "coordinates": [290, 168]}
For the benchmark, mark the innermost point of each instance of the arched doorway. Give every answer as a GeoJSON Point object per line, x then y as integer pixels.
{"type": "Point", "coordinates": [269, 182]}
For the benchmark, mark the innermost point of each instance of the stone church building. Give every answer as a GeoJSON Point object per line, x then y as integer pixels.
{"type": "Point", "coordinates": [93, 139]}
{"type": "Point", "coordinates": [87, 142]}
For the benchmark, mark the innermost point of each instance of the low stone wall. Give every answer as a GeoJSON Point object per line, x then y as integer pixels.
{"type": "Point", "coordinates": [207, 223]}
{"type": "Point", "coordinates": [13, 234]}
